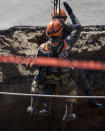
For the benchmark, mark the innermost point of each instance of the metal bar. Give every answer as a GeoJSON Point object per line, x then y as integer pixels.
{"type": "Point", "coordinates": [59, 8]}
{"type": "Point", "coordinates": [54, 6]}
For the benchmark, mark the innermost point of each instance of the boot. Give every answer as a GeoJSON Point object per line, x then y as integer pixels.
{"type": "Point", "coordinates": [94, 104]}
{"type": "Point", "coordinates": [69, 116]}
{"type": "Point", "coordinates": [46, 110]}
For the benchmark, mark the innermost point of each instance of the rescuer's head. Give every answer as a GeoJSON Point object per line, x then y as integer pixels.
{"type": "Point", "coordinates": [54, 30]}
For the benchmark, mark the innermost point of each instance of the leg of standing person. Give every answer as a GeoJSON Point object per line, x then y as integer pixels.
{"type": "Point", "coordinates": [48, 90]}
{"type": "Point", "coordinates": [70, 89]}
{"type": "Point", "coordinates": [82, 83]}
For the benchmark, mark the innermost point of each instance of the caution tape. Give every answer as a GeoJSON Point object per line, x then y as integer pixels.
{"type": "Point", "coordinates": [15, 59]}
{"type": "Point", "coordinates": [51, 96]}
{"type": "Point", "coordinates": [45, 61]}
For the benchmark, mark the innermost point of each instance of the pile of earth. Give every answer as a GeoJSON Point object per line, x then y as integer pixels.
{"type": "Point", "coordinates": [24, 41]}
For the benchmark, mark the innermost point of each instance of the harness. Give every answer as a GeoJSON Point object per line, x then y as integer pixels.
{"type": "Point", "coordinates": [54, 73]}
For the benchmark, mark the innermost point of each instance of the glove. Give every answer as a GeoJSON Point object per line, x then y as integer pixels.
{"type": "Point", "coordinates": [68, 8]}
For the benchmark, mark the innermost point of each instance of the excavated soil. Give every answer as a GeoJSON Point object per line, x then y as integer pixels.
{"type": "Point", "coordinates": [23, 41]}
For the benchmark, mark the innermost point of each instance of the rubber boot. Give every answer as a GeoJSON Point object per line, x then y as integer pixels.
{"type": "Point", "coordinates": [69, 116]}
{"type": "Point", "coordinates": [47, 108]}
{"type": "Point", "coordinates": [94, 104]}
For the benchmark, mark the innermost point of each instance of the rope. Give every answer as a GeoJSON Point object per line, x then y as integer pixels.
{"type": "Point", "coordinates": [51, 96]}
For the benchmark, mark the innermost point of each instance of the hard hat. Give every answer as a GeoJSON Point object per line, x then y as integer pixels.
{"type": "Point", "coordinates": [54, 28]}
{"type": "Point", "coordinates": [59, 14]}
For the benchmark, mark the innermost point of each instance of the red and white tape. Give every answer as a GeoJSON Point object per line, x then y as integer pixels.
{"type": "Point", "coordinates": [93, 65]}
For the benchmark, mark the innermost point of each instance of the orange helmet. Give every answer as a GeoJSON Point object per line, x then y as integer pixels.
{"type": "Point", "coordinates": [54, 28]}
{"type": "Point", "coordinates": [60, 14]}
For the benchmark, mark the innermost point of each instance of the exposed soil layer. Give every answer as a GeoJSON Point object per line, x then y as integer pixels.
{"type": "Point", "coordinates": [24, 41]}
